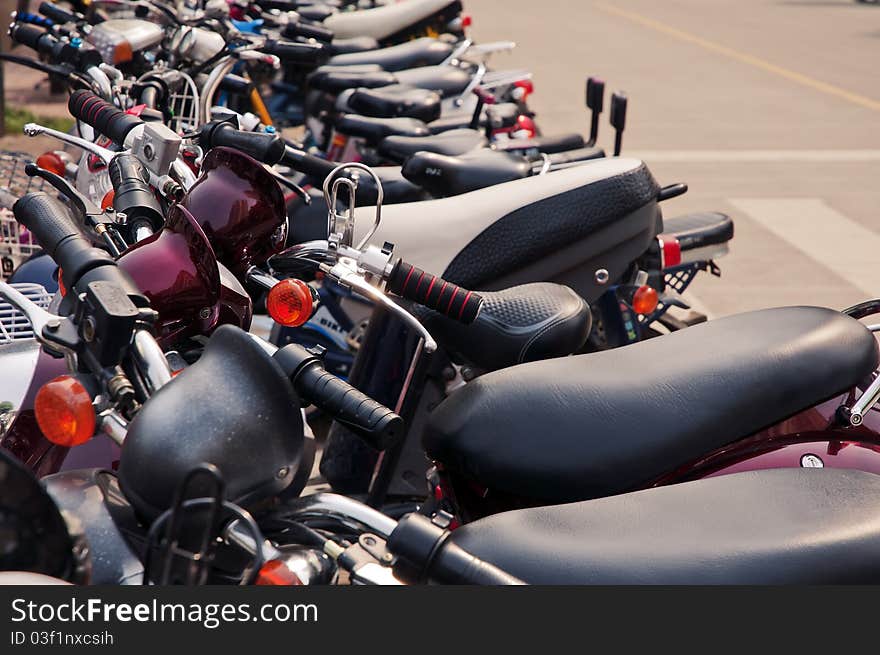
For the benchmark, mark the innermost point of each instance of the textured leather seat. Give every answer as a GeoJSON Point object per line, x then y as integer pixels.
{"type": "Point", "coordinates": [396, 101]}
{"type": "Point", "coordinates": [453, 142]}
{"type": "Point", "coordinates": [352, 45]}
{"type": "Point", "coordinates": [603, 423]}
{"type": "Point", "coordinates": [373, 130]}
{"type": "Point", "coordinates": [445, 80]}
{"type": "Point", "coordinates": [786, 526]}
{"type": "Point", "coordinates": [601, 214]}
{"type": "Point", "coordinates": [700, 229]}
{"type": "Point", "coordinates": [443, 175]}
{"type": "Point", "coordinates": [335, 80]}
{"type": "Point", "coordinates": [420, 52]}
{"type": "Point", "coordinates": [391, 19]}
{"type": "Point", "coordinates": [516, 325]}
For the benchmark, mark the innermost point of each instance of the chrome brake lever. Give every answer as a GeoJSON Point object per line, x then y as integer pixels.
{"type": "Point", "coordinates": [32, 129]}
{"type": "Point", "coordinates": [43, 322]}
{"type": "Point", "coordinates": [355, 281]}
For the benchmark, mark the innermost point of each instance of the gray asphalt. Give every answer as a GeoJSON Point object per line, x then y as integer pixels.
{"type": "Point", "coordinates": [768, 109]}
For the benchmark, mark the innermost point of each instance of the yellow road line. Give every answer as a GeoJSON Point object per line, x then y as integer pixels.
{"type": "Point", "coordinates": [751, 60]}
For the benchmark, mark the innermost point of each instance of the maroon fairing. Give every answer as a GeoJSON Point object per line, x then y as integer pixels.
{"type": "Point", "coordinates": [240, 207]}
{"type": "Point", "coordinates": [177, 270]}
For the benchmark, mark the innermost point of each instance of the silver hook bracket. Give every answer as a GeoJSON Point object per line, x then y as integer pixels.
{"type": "Point", "coordinates": [341, 225]}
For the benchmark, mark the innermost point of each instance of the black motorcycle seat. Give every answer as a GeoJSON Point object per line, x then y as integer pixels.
{"type": "Point", "coordinates": [420, 52]}
{"type": "Point", "coordinates": [783, 526]}
{"type": "Point", "coordinates": [454, 142]}
{"type": "Point", "coordinates": [395, 101]}
{"type": "Point", "coordinates": [443, 175]}
{"type": "Point", "coordinates": [521, 324]}
{"type": "Point", "coordinates": [603, 423]}
{"type": "Point", "coordinates": [336, 81]}
{"type": "Point", "coordinates": [352, 45]}
{"type": "Point", "coordinates": [699, 229]}
{"type": "Point", "coordinates": [576, 156]}
{"type": "Point", "coordinates": [373, 130]}
{"type": "Point", "coordinates": [547, 144]}
{"type": "Point", "coordinates": [487, 239]}
{"type": "Point", "coordinates": [445, 80]}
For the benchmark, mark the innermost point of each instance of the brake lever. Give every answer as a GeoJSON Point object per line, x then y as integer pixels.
{"type": "Point", "coordinates": [104, 154]}
{"type": "Point", "coordinates": [55, 332]}
{"type": "Point", "coordinates": [345, 276]}
{"type": "Point", "coordinates": [85, 206]}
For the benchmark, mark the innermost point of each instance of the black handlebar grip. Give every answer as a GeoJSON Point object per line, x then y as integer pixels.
{"type": "Point", "coordinates": [308, 164]}
{"type": "Point", "coordinates": [57, 14]}
{"type": "Point", "coordinates": [59, 235]}
{"type": "Point", "coordinates": [132, 194]}
{"type": "Point", "coordinates": [434, 292]}
{"type": "Point", "coordinates": [300, 53]}
{"type": "Point", "coordinates": [29, 35]}
{"type": "Point", "coordinates": [267, 148]}
{"type": "Point", "coordinates": [426, 553]}
{"type": "Point", "coordinates": [308, 31]}
{"type": "Point", "coordinates": [453, 564]}
{"type": "Point", "coordinates": [107, 119]}
{"type": "Point", "coordinates": [372, 421]}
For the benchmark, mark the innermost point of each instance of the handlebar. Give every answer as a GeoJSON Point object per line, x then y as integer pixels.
{"type": "Point", "coordinates": [308, 31]}
{"type": "Point", "coordinates": [58, 14]}
{"type": "Point", "coordinates": [374, 422]}
{"type": "Point", "coordinates": [107, 119]}
{"type": "Point", "coordinates": [59, 235]}
{"type": "Point", "coordinates": [133, 195]}
{"type": "Point", "coordinates": [66, 242]}
{"type": "Point", "coordinates": [434, 292]}
{"type": "Point", "coordinates": [425, 547]}
{"type": "Point", "coordinates": [267, 148]}
{"type": "Point", "coordinates": [299, 53]}
{"type": "Point", "coordinates": [32, 19]}
{"type": "Point", "coordinates": [57, 51]}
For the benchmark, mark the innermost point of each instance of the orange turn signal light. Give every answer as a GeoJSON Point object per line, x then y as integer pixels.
{"type": "Point", "coordinates": [645, 300]}
{"type": "Point", "coordinates": [52, 162]}
{"type": "Point", "coordinates": [64, 411]}
{"type": "Point", "coordinates": [290, 302]}
{"type": "Point", "coordinates": [277, 573]}
{"type": "Point", "coordinates": [107, 200]}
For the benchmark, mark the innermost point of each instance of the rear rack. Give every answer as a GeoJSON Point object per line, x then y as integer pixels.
{"type": "Point", "coordinates": [14, 326]}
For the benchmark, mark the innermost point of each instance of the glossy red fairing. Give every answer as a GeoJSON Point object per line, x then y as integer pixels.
{"type": "Point", "coordinates": [177, 270]}
{"type": "Point", "coordinates": [240, 207]}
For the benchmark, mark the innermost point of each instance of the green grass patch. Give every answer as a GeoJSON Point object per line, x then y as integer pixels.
{"type": "Point", "coordinates": [15, 118]}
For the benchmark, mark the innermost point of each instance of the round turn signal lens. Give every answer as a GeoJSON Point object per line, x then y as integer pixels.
{"type": "Point", "coordinates": [107, 200]}
{"type": "Point", "coordinates": [51, 162]}
{"type": "Point", "coordinates": [64, 411]}
{"type": "Point", "coordinates": [290, 302]}
{"type": "Point", "coordinates": [645, 300]}
{"type": "Point", "coordinates": [277, 573]}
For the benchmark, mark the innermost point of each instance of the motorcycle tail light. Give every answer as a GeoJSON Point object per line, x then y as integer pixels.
{"type": "Point", "coordinates": [466, 20]}
{"type": "Point", "coordinates": [525, 127]}
{"type": "Point", "coordinates": [277, 573]}
{"type": "Point", "coordinates": [52, 162]}
{"type": "Point", "coordinates": [645, 300]}
{"type": "Point", "coordinates": [290, 302]}
{"type": "Point", "coordinates": [525, 87]}
{"type": "Point", "coordinates": [107, 200]}
{"type": "Point", "coordinates": [64, 411]}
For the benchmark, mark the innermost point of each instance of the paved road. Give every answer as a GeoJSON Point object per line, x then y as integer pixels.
{"type": "Point", "coordinates": [768, 109]}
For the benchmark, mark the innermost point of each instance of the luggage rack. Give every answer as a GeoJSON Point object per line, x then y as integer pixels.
{"type": "Point", "coordinates": [14, 326]}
